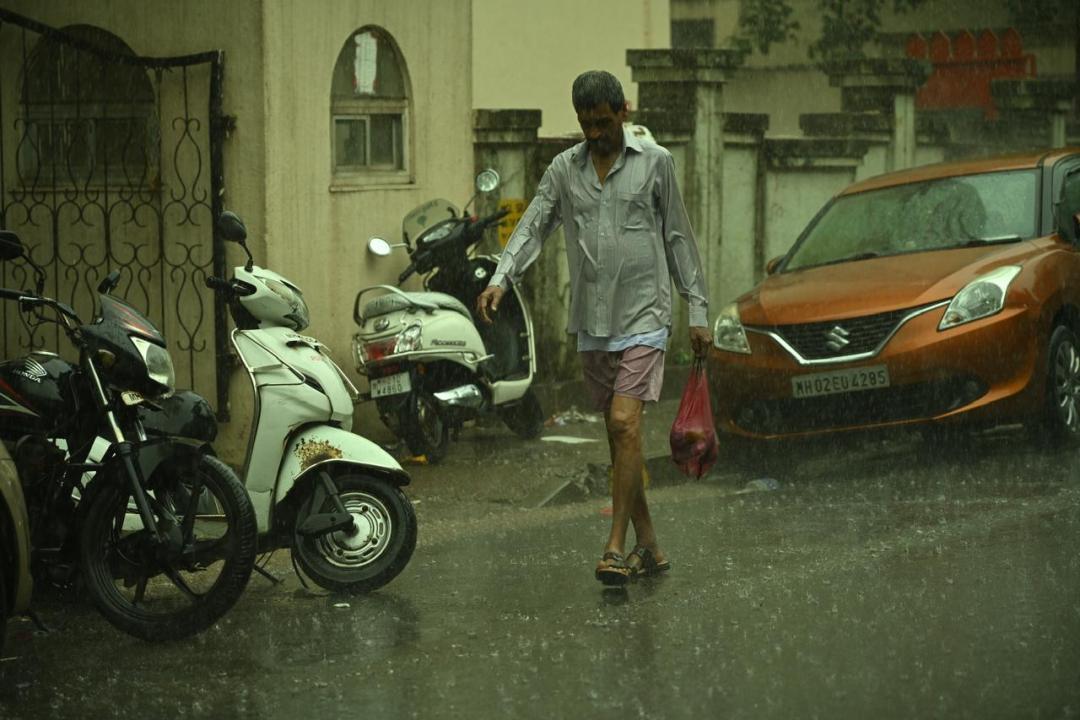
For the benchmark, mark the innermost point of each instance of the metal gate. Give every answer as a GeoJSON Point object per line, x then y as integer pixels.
{"type": "Point", "coordinates": [110, 161]}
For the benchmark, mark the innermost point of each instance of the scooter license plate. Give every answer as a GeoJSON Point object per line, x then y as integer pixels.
{"type": "Point", "coordinates": [390, 385]}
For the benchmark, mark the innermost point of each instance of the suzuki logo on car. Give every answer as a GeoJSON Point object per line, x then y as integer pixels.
{"type": "Point", "coordinates": [837, 339]}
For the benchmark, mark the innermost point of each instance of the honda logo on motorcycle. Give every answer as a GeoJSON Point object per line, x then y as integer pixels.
{"type": "Point", "coordinates": [837, 339]}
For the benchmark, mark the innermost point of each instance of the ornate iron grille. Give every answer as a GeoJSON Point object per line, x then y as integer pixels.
{"type": "Point", "coordinates": [110, 161]}
{"type": "Point", "coordinates": [864, 334]}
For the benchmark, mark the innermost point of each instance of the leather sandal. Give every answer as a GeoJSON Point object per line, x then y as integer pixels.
{"type": "Point", "coordinates": [615, 572]}
{"type": "Point", "coordinates": [646, 565]}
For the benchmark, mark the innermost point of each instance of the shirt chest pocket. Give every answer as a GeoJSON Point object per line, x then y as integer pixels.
{"type": "Point", "coordinates": [634, 211]}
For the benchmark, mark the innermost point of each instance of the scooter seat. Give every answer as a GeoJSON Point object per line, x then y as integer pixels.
{"type": "Point", "coordinates": [392, 302]}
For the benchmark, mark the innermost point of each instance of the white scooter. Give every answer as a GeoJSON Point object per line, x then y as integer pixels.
{"type": "Point", "coordinates": [431, 364]}
{"type": "Point", "coordinates": [333, 497]}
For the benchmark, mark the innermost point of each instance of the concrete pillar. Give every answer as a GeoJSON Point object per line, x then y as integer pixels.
{"type": "Point", "coordinates": [1057, 128]}
{"type": "Point", "coordinates": [1038, 105]}
{"type": "Point", "coordinates": [681, 93]}
{"type": "Point", "coordinates": [903, 138]}
{"type": "Point", "coordinates": [887, 86]}
{"type": "Point", "coordinates": [506, 140]}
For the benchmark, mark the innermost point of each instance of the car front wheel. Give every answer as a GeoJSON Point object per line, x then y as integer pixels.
{"type": "Point", "coordinates": [1061, 412]}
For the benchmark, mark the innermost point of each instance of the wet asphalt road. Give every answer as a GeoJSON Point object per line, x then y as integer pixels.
{"type": "Point", "coordinates": [880, 580]}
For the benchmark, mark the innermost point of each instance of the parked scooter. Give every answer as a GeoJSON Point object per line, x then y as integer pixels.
{"type": "Point", "coordinates": [333, 497]}
{"type": "Point", "coordinates": [431, 363]}
{"type": "Point", "coordinates": [164, 535]}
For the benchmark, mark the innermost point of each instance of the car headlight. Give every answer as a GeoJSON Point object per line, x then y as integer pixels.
{"type": "Point", "coordinates": [408, 340]}
{"type": "Point", "coordinates": [159, 364]}
{"type": "Point", "coordinates": [728, 332]}
{"type": "Point", "coordinates": [982, 297]}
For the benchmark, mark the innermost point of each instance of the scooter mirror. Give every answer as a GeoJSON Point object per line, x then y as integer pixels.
{"type": "Point", "coordinates": [231, 227]}
{"type": "Point", "coordinates": [10, 245]}
{"type": "Point", "coordinates": [487, 180]}
{"type": "Point", "coordinates": [378, 246]}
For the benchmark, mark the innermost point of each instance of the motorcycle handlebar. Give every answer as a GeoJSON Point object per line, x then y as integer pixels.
{"type": "Point", "coordinates": [406, 273]}
{"type": "Point", "coordinates": [478, 227]}
{"type": "Point", "coordinates": [493, 219]}
{"type": "Point", "coordinates": [28, 300]}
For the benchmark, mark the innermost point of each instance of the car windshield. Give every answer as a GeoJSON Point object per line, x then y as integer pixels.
{"type": "Point", "coordinates": [918, 217]}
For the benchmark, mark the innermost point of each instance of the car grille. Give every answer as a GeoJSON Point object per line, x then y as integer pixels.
{"type": "Point", "coordinates": [845, 410]}
{"type": "Point", "coordinates": [865, 334]}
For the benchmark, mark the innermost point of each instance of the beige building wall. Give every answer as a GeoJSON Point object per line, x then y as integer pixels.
{"type": "Point", "coordinates": [526, 54]}
{"type": "Point", "coordinates": [316, 229]}
{"type": "Point", "coordinates": [279, 60]}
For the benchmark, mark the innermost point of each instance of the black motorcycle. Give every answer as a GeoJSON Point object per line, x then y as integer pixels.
{"type": "Point", "coordinates": [161, 533]}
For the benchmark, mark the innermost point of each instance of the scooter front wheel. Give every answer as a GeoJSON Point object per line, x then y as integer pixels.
{"type": "Point", "coordinates": [525, 418]}
{"type": "Point", "coordinates": [374, 552]}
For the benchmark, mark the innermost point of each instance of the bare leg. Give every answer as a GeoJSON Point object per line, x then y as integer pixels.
{"type": "Point", "coordinates": [624, 437]}
{"type": "Point", "coordinates": [623, 420]}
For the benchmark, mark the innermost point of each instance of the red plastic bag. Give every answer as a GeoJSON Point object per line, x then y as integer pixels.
{"type": "Point", "coordinates": [693, 435]}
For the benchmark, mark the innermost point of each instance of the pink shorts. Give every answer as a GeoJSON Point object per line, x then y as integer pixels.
{"type": "Point", "coordinates": [636, 372]}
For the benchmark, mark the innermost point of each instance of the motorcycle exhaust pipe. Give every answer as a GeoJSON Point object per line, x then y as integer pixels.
{"type": "Point", "coordinates": [468, 396]}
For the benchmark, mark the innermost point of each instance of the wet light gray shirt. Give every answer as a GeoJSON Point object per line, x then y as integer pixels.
{"type": "Point", "coordinates": [624, 239]}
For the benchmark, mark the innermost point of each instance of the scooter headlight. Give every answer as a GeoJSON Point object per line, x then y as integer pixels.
{"type": "Point", "coordinates": [409, 340]}
{"type": "Point", "coordinates": [159, 364]}
{"type": "Point", "coordinates": [298, 309]}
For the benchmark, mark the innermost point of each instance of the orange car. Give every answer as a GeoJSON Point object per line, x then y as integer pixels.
{"type": "Point", "coordinates": [938, 294]}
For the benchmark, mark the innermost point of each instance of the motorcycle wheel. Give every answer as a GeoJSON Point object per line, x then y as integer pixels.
{"type": "Point", "coordinates": [425, 431]}
{"type": "Point", "coordinates": [525, 418]}
{"type": "Point", "coordinates": [375, 553]}
{"type": "Point", "coordinates": [160, 594]}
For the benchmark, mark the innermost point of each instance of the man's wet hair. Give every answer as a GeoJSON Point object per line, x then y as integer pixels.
{"type": "Point", "coordinates": [595, 87]}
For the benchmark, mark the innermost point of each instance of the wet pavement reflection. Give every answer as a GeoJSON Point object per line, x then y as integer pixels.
{"type": "Point", "coordinates": [881, 579]}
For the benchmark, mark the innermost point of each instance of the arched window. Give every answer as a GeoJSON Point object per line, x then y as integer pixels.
{"type": "Point", "coordinates": [370, 110]}
{"type": "Point", "coordinates": [89, 119]}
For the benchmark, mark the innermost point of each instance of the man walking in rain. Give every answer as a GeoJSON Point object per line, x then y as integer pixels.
{"type": "Point", "coordinates": [626, 232]}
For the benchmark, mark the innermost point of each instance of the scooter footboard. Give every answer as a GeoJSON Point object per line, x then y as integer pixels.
{"type": "Point", "coordinates": [322, 446]}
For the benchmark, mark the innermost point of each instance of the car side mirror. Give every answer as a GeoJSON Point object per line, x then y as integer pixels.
{"type": "Point", "coordinates": [772, 265]}
{"type": "Point", "coordinates": [11, 246]}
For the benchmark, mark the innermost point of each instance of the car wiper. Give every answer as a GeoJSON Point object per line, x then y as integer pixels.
{"type": "Point", "coordinates": [848, 258]}
{"type": "Point", "coordinates": [996, 240]}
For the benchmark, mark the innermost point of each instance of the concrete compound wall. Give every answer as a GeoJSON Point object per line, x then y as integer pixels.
{"type": "Point", "coordinates": [770, 189]}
